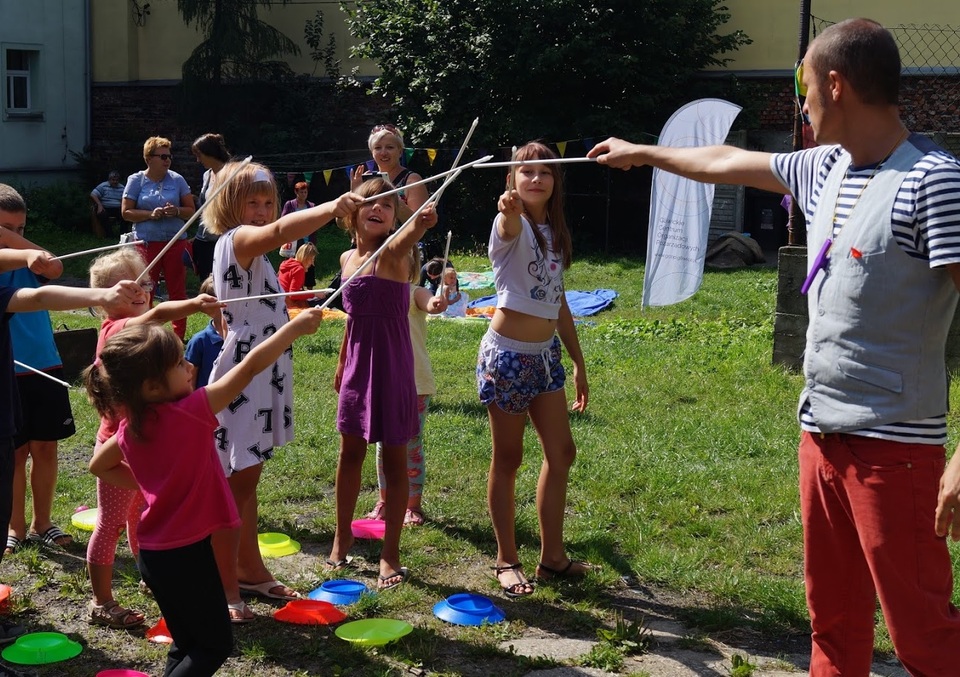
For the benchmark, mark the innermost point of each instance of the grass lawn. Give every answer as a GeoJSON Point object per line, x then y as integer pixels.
{"type": "Point", "coordinates": [685, 480]}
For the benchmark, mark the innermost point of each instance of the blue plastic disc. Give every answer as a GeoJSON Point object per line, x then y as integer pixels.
{"type": "Point", "coordinates": [340, 591]}
{"type": "Point", "coordinates": [465, 608]}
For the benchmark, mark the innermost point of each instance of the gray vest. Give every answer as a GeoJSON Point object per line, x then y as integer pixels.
{"type": "Point", "coordinates": [878, 321]}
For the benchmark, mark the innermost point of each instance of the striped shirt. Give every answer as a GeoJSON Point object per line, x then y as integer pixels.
{"type": "Point", "coordinates": [925, 222]}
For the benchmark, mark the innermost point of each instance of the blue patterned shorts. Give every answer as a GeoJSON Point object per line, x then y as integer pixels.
{"type": "Point", "coordinates": [511, 373]}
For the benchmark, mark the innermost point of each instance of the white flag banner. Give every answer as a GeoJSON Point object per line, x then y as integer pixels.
{"type": "Point", "coordinates": [680, 208]}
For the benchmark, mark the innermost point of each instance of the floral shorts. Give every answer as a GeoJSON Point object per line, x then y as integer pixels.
{"type": "Point", "coordinates": [511, 373]}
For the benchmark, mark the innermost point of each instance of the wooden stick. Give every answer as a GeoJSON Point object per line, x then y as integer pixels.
{"type": "Point", "coordinates": [427, 180]}
{"type": "Point", "coordinates": [94, 251]}
{"type": "Point", "coordinates": [42, 373]}
{"type": "Point", "coordinates": [193, 218]}
{"type": "Point", "coordinates": [544, 161]}
{"type": "Point", "coordinates": [443, 268]}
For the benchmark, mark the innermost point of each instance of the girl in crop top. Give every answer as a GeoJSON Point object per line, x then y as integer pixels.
{"type": "Point", "coordinates": [519, 372]}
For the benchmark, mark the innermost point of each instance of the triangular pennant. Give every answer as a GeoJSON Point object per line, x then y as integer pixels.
{"type": "Point", "coordinates": [562, 147]}
{"type": "Point", "coordinates": [407, 154]}
{"type": "Point", "coordinates": [371, 166]}
{"type": "Point", "coordinates": [290, 177]}
{"type": "Point", "coordinates": [588, 143]}
{"type": "Point", "coordinates": [349, 169]}
{"type": "Point", "coordinates": [431, 155]}
{"type": "Point", "coordinates": [308, 176]}
{"type": "Point", "coordinates": [327, 173]}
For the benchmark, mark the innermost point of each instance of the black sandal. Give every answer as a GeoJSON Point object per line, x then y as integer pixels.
{"type": "Point", "coordinates": [517, 589]}
{"type": "Point", "coordinates": [547, 573]}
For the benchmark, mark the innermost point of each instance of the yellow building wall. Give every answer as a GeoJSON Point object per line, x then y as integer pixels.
{"type": "Point", "coordinates": [773, 25]}
{"type": "Point", "coordinates": [155, 51]}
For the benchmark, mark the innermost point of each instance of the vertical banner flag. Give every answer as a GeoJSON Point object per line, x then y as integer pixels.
{"type": "Point", "coordinates": [680, 208]}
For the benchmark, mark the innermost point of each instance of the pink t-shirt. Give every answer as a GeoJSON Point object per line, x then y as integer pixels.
{"type": "Point", "coordinates": [179, 474]}
{"type": "Point", "coordinates": [108, 426]}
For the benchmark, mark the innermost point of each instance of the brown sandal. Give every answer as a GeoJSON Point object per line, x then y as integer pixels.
{"type": "Point", "coordinates": [112, 615]}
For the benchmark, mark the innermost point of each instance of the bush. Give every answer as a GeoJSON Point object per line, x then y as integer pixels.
{"type": "Point", "coordinates": [58, 206]}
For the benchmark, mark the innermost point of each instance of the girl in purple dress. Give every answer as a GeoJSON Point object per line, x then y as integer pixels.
{"type": "Point", "coordinates": [378, 395]}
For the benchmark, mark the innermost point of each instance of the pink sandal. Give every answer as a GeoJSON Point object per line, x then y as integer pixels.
{"type": "Point", "coordinates": [377, 512]}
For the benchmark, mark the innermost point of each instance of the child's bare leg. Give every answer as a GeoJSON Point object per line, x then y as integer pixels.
{"type": "Point", "coordinates": [250, 566]}
{"type": "Point", "coordinates": [43, 482]}
{"type": "Point", "coordinates": [506, 432]}
{"type": "Point", "coordinates": [507, 437]}
{"type": "Point", "coordinates": [548, 412]}
{"type": "Point", "coordinates": [395, 474]}
{"type": "Point", "coordinates": [226, 545]}
{"type": "Point", "coordinates": [18, 518]}
{"type": "Point", "coordinates": [352, 452]}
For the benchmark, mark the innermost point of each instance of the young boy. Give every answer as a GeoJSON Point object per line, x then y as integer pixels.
{"type": "Point", "coordinates": [15, 253]}
{"type": "Point", "coordinates": [204, 346]}
{"type": "Point", "coordinates": [45, 404]}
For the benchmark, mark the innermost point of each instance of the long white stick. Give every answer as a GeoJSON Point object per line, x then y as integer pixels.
{"type": "Point", "coordinates": [463, 146]}
{"type": "Point", "coordinates": [94, 251]}
{"type": "Point", "coordinates": [443, 267]}
{"type": "Point", "coordinates": [42, 373]}
{"type": "Point", "coordinates": [193, 218]}
{"type": "Point", "coordinates": [302, 292]}
{"type": "Point", "coordinates": [544, 161]}
{"type": "Point", "coordinates": [428, 179]}
{"type": "Point", "coordinates": [430, 200]}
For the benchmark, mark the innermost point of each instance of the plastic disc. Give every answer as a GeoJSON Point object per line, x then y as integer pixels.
{"type": "Point", "coordinates": [365, 528]}
{"type": "Point", "coordinates": [159, 634]}
{"type": "Point", "coordinates": [85, 519]}
{"type": "Point", "coordinates": [340, 591]}
{"type": "Point", "coordinates": [465, 608]}
{"type": "Point", "coordinates": [277, 545]}
{"type": "Point", "coordinates": [38, 648]}
{"type": "Point", "coordinates": [309, 612]}
{"type": "Point", "coordinates": [373, 631]}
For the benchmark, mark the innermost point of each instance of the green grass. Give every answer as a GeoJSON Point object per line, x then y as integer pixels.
{"type": "Point", "coordinates": [685, 478]}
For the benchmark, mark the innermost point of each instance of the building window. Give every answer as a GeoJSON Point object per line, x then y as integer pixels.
{"type": "Point", "coordinates": [21, 69]}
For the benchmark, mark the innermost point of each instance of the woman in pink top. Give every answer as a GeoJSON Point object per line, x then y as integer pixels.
{"type": "Point", "coordinates": [143, 378]}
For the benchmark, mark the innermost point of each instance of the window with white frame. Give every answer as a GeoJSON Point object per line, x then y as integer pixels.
{"type": "Point", "coordinates": [20, 75]}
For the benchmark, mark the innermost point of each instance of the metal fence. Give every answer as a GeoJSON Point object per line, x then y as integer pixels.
{"type": "Point", "coordinates": [930, 79]}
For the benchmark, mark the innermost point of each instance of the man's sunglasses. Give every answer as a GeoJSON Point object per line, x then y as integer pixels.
{"type": "Point", "coordinates": [162, 156]}
{"type": "Point", "coordinates": [800, 89]}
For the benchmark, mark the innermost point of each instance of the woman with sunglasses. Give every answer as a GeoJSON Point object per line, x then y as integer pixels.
{"type": "Point", "coordinates": [158, 201]}
{"type": "Point", "coordinates": [386, 148]}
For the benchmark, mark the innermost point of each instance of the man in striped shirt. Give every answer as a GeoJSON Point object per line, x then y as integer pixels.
{"type": "Point", "coordinates": [883, 212]}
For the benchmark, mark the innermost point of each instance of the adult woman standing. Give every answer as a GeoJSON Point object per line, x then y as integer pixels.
{"type": "Point", "coordinates": [157, 201]}
{"type": "Point", "coordinates": [300, 189]}
{"type": "Point", "coordinates": [211, 152]}
{"type": "Point", "coordinates": [386, 147]}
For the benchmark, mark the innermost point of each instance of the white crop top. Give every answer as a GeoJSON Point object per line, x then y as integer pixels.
{"type": "Point", "coordinates": [526, 280]}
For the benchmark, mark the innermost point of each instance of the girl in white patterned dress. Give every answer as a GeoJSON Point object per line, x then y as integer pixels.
{"type": "Point", "coordinates": [245, 214]}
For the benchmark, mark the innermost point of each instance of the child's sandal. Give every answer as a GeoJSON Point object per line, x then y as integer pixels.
{"type": "Point", "coordinates": [112, 615]}
{"type": "Point", "coordinates": [522, 588]}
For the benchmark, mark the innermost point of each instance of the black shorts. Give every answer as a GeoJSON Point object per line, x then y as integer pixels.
{"type": "Point", "coordinates": [46, 409]}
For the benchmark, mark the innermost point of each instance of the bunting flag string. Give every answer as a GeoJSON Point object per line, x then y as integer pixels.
{"type": "Point", "coordinates": [409, 155]}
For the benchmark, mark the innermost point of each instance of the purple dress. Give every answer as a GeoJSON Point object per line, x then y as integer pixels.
{"type": "Point", "coordinates": [378, 394]}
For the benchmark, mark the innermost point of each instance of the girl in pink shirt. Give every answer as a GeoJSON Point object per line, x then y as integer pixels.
{"type": "Point", "coordinates": [165, 448]}
{"type": "Point", "coordinates": [119, 508]}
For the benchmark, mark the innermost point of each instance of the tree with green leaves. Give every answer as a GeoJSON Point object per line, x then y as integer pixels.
{"type": "Point", "coordinates": [237, 45]}
{"type": "Point", "coordinates": [557, 69]}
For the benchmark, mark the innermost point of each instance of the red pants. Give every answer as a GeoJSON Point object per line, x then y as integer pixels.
{"type": "Point", "coordinates": [867, 507]}
{"type": "Point", "coordinates": [174, 273]}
